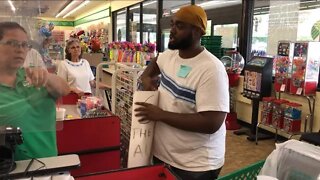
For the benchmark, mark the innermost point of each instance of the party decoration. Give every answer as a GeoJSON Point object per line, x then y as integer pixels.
{"type": "Point", "coordinates": [46, 30]}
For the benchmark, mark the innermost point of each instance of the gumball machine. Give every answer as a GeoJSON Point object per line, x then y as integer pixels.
{"type": "Point", "coordinates": [234, 63]}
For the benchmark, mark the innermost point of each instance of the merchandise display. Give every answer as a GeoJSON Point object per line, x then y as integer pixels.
{"type": "Point", "coordinates": [283, 65]}
{"type": "Point", "coordinates": [112, 143]}
{"type": "Point", "coordinates": [267, 108]}
{"type": "Point", "coordinates": [213, 44]}
{"type": "Point", "coordinates": [123, 88]}
{"type": "Point", "coordinates": [278, 113]}
{"type": "Point", "coordinates": [131, 52]}
{"type": "Point", "coordinates": [257, 84]}
{"type": "Point", "coordinates": [305, 68]}
{"type": "Point", "coordinates": [258, 78]}
{"type": "Point", "coordinates": [292, 117]}
{"type": "Point", "coordinates": [234, 63]}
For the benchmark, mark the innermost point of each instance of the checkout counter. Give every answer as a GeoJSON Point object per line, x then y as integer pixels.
{"type": "Point", "coordinates": [44, 167]}
{"type": "Point", "coordinates": [95, 140]}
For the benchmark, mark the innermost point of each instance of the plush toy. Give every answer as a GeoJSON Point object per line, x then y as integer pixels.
{"type": "Point", "coordinates": [46, 30]}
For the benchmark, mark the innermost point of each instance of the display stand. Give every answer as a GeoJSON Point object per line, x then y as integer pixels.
{"type": "Point", "coordinates": [309, 118]}
{"type": "Point", "coordinates": [124, 84]}
{"type": "Point", "coordinates": [257, 84]}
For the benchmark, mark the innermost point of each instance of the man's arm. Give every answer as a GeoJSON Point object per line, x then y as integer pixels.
{"type": "Point", "coordinates": [207, 122]}
{"type": "Point", "coordinates": [148, 74]}
{"type": "Point", "coordinates": [204, 122]}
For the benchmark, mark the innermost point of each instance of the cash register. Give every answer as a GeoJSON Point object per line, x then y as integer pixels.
{"type": "Point", "coordinates": [9, 138]}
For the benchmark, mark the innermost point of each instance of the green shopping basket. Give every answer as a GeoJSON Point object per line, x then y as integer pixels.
{"type": "Point", "coordinates": [248, 173]}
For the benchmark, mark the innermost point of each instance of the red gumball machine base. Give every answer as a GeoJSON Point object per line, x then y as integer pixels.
{"type": "Point", "coordinates": [233, 79]}
{"type": "Point", "coordinates": [231, 121]}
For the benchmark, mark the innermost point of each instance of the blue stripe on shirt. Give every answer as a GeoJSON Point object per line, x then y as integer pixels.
{"type": "Point", "coordinates": [177, 91]}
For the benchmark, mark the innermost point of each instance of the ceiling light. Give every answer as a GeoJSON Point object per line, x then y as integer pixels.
{"type": "Point", "coordinates": [12, 6]}
{"type": "Point", "coordinates": [175, 10]}
{"type": "Point", "coordinates": [66, 8]}
{"type": "Point", "coordinates": [77, 8]}
{"type": "Point", "coordinates": [146, 4]}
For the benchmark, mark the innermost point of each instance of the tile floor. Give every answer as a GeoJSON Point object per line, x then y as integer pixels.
{"type": "Point", "coordinates": [240, 152]}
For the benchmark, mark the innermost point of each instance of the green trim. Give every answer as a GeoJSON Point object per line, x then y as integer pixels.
{"type": "Point", "coordinates": [63, 23]}
{"type": "Point", "coordinates": [93, 17]}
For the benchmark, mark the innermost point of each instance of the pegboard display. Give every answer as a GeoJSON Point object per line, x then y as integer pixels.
{"type": "Point", "coordinates": [124, 84]}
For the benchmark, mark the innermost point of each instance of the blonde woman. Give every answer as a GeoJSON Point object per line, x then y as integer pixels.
{"type": "Point", "coordinates": [76, 70]}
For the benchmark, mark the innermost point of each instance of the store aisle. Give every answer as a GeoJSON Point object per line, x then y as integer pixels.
{"type": "Point", "coordinates": [240, 152]}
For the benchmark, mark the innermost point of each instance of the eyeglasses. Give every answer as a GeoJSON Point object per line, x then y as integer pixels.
{"type": "Point", "coordinates": [17, 44]}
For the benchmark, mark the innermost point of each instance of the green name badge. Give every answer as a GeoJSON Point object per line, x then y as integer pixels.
{"type": "Point", "coordinates": [184, 71]}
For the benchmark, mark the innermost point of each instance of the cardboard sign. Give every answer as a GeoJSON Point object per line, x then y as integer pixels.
{"type": "Point", "coordinates": [141, 135]}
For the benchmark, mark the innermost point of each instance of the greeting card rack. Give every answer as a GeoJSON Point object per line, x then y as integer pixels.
{"type": "Point", "coordinates": [124, 84]}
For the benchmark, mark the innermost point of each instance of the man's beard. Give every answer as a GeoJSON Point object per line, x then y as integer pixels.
{"type": "Point", "coordinates": [184, 43]}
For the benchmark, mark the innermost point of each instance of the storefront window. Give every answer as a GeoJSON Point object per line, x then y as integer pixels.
{"type": "Point", "coordinates": [134, 22]}
{"type": "Point", "coordinates": [171, 7]}
{"type": "Point", "coordinates": [149, 21]}
{"type": "Point", "coordinates": [214, 4]}
{"type": "Point", "coordinates": [121, 25]}
{"type": "Point", "coordinates": [229, 33]}
{"type": "Point", "coordinates": [208, 30]}
{"type": "Point", "coordinates": [284, 20]}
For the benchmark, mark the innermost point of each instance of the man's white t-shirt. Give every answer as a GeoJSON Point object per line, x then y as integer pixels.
{"type": "Point", "coordinates": [77, 74]}
{"type": "Point", "coordinates": [189, 86]}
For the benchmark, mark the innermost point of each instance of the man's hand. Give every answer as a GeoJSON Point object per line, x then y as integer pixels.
{"type": "Point", "coordinates": [37, 76]}
{"type": "Point", "coordinates": [148, 112]}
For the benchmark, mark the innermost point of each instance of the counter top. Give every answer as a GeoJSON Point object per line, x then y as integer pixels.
{"type": "Point", "coordinates": [44, 166]}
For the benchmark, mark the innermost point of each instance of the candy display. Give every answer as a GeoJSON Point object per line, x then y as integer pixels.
{"type": "Point", "coordinates": [283, 65]}
{"type": "Point", "coordinates": [305, 68]}
{"type": "Point", "coordinates": [90, 106]}
{"type": "Point", "coordinates": [278, 113]}
{"type": "Point", "coordinates": [131, 52]}
{"type": "Point", "coordinates": [234, 64]}
{"type": "Point", "coordinates": [292, 117]}
{"type": "Point", "coordinates": [266, 113]}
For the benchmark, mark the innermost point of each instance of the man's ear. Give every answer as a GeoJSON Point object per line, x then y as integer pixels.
{"type": "Point", "coordinates": [197, 32]}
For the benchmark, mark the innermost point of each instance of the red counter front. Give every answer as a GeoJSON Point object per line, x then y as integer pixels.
{"type": "Point", "coordinates": [158, 172]}
{"type": "Point", "coordinates": [95, 140]}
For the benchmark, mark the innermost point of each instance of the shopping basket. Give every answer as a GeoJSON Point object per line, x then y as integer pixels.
{"type": "Point", "coordinates": [248, 173]}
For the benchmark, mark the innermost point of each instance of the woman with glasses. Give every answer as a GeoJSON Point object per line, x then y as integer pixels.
{"type": "Point", "coordinates": [76, 70]}
{"type": "Point", "coordinates": [27, 95]}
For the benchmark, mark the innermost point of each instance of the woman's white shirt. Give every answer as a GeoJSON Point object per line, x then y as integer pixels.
{"type": "Point", "coordinates": [77, 74]}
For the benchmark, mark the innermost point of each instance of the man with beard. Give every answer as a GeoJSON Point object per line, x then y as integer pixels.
{"type": "Point", "coordinates": [194, 99]}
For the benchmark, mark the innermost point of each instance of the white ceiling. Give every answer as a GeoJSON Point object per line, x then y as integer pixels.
{"type": "Point", "coordinates": [43, 8]}
{"type": "Point", "coordinates": [32, 7]}
{"type": "Point", "coordinates": [50, 8]}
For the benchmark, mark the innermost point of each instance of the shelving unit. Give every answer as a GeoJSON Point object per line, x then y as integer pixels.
{"type": "Point", "coordinates": [54, 54]}
{"type": "Point", "coordinates": [124, 84]}
{"type": "Point", "coordinates": [308, 118]}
